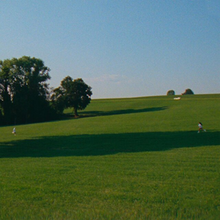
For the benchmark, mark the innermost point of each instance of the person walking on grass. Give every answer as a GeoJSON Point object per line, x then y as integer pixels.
{"type": "Point", "coordinates": [14, 131]}
{"type": "Point", "coordinates": [201, 127]}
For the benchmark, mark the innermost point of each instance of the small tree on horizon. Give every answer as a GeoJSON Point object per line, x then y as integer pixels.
{"type": "Point", "coordinates": [171, 92]}
{"type": "Point", "coordinates": [188, 92]}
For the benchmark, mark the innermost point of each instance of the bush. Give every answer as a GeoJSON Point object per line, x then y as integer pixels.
{"type": "Point", "coordinates": [171, 92]}
{"type": "Point", "coordinates": [188, 92]}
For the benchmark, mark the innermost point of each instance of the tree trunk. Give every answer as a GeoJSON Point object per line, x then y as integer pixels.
{"type": "Point", "coordinates": [75, 112]}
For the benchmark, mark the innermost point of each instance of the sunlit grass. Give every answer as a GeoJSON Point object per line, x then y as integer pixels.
{"type": "Point", "coordinates": [124, 159]}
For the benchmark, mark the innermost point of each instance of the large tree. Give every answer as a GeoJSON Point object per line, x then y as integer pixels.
{"type": "Point", "coordinates": [5, 90]}
{"type": "Point", "coordinates": [24, 90]}
{"type": "Point", "coordinates": [72, 93]}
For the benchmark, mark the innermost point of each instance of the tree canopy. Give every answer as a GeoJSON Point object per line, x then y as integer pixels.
{"type": "Point", "coordinates": [25, 96]}
{"type": "Point", "coordinates": [170, 92]}
{"type": "Point", "coordinates": [24, 92]}
{"type": "Point", "coordinates": [72, 93]}
{"type": "Point", "coordinates": [188, 92]}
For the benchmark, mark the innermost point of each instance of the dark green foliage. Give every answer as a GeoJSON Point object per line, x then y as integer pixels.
{"type": "Point", "coordinates": [57, 101]}
{"type": "Point", "coordinates": [24, 91]}
{"type": "Point", "coordinates": [71, 93]}
{"type": "Point", "coordinates": [188, 92]}
{"type": "Point", "coordinates": [171, 92]}
{"type": "Point", "coordinates": [5, 97]}
{"type": "Point", "coordinates": [1, 118]}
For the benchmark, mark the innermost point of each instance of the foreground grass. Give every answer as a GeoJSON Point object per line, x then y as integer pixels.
{"type": "Point", "coordinates": [134, 159]}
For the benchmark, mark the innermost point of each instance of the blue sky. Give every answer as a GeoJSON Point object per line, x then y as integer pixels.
{"type": "Point", "coordinates": [121, 48]}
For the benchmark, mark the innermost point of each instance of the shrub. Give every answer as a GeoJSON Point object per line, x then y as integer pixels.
{"type": "Point", "coordinates": [171, 92]}
{"type": "Point", "coordinates": [188, 92]}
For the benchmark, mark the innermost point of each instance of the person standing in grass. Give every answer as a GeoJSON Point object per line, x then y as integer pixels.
{"type": "Point", "coordinates": [14, 131]}
{"type": "Point", "coordinates": [201, 127]}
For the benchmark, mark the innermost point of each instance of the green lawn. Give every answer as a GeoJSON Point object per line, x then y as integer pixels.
{"type": "Point", "coordinates": [137, 158]}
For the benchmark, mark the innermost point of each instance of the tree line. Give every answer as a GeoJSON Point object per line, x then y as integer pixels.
{"type": "Point", "coordinates": [25, 96]}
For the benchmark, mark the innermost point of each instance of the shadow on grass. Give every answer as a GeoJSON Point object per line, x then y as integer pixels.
{"type": "Point", "coordinates": [106, 144]}
{"type": "Point", "coordinates": [116, 112]}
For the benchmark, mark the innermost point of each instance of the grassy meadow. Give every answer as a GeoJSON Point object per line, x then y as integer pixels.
{"type": "Point", "coordinates": [134, 158]}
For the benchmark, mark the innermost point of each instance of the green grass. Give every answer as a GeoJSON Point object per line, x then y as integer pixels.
{"type": "Point", "coordinates": [138, 158]}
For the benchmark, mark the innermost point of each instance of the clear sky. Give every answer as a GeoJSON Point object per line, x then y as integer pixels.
{"type": "Point", "coordinates": [121, 48]}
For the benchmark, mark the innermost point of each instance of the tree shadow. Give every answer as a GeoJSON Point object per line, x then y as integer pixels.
{"type": "Point", "coordinates": [120, 112]}
{"type": "Point", "coordinates": [106, 144]}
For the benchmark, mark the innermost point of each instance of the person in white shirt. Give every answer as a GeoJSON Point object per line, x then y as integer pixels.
{"type": "Point", "coordinates": [201, 127]}
{"type": "Point", "coordinates": [14, 131]}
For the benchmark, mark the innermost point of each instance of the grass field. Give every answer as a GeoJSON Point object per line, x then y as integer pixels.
{"type": "Point", "coordinates": [137, 158]}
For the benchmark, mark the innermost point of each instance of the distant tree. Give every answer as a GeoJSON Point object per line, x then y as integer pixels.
{"type": "Point", "coordinates": [75, 94]}
{"type": "Point", "coordinates": [30, 89]}
{"type": "Point", "coordinates": [188, 92]}
{"type": "Point", "coordinates": [23, 89]}
{"type": "Point", "coordinates": [58, 100]}
{"type": "Point", "coordinates": [171, 92]}
{"type": "Point", "coordinates": [5, 90]}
